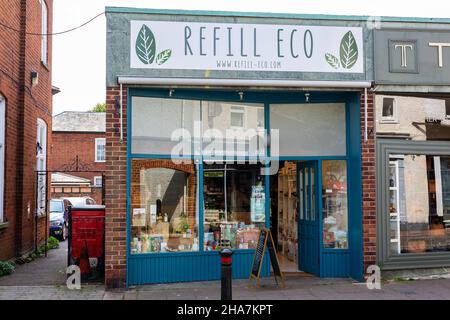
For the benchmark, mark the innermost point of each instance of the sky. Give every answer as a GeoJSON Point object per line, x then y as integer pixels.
{"type": "Point", "coordinates": [79, 56]}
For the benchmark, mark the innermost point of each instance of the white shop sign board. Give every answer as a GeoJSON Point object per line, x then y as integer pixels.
{"type": "Point", "coordinates": [246, 47]}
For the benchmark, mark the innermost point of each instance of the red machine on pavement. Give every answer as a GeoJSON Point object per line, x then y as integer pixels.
{"type": "Point", "coordinates": [87, 239]}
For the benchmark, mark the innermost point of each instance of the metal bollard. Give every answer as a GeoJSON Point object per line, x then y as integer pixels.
{"type": "Point", "coordinates": [226, 276]}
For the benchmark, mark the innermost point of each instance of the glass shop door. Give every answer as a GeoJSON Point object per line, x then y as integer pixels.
{"type": "Point", "coordinates": [308, 222]}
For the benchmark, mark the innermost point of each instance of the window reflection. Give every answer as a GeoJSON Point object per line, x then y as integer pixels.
{"type": "Point", "coordinates": [163, 207]}
{"type": "Point", "coordinates": [419, 204]}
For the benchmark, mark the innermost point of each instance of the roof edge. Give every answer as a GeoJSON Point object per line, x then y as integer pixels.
{"type": "Point", "coordinates": [110, 9]}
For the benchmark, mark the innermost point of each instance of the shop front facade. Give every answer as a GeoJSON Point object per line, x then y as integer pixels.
{"type": "Point", "coordinates": [412, 107]}
{"type": "Point", "coordinates": [221, 124]}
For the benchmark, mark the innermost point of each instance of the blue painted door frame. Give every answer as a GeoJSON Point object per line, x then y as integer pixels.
{"type": "Point", "coordinates": [190, 266]}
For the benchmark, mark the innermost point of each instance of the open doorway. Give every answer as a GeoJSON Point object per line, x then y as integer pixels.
{"type": "Point", "coordinates": [284, 215]}
{"type": "Point", "coordinates": [295, 216]}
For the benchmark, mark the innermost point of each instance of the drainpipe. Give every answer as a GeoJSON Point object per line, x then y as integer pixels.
{"type": "Point", "coordinates": [365, 115]}
{"type": "Point", "coordinates": [121, 114]}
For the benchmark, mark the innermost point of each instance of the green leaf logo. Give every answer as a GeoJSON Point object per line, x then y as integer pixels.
{"type": "Point", "coordinates": [348, 51]}
{"type": "Point", "coordinates": [146, 45]}
{"type": "Point", "coordinates": [332, 60]}
{"type": "Point", "coordinates": [163, 56]}
{"type": "Point", "coordinates": [146, 48]}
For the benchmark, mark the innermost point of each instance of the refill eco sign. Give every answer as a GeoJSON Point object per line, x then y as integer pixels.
{"type": "Point", "coordinates": [245, 47]}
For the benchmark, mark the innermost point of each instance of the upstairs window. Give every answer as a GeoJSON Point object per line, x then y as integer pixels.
{"type": "Point", "coordinates": [237, 117]}
{"type": "Point", "coordinates": [100, 150]}
{"type": "Point", "coordinates": [98, 181]}
{"type": "Point", "coordinates": [44, 31]}
{"type": "Point", "coordinates": [389, 112]}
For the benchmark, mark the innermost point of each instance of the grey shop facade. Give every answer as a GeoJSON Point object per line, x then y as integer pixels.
{"type": "Point", "coordinates": [220, 124]}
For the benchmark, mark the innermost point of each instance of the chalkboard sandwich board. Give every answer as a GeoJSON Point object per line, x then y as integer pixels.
{"type": "Point", "coordinates": [265, 241]}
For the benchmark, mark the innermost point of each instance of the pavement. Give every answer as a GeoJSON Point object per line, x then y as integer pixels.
{"type": "Point", "coordinates": [44, 271]}
{"type": "Point", "coordinates": [44, 279]}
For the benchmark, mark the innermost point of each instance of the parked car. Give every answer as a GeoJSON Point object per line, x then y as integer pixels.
{"type": "Point", "coordinates": [59, 223]}
{"type": "Point", "coordinates": [80, 201]}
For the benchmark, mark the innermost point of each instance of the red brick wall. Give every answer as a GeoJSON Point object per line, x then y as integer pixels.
{"type": "Point", "coordinates": [368, 183]}
{"type": "Point", "coordinates": [115, 192]}
{"type": "Point", "coordinates": [19, 55]}
{"type": "Point", "coordinates": [66, 146]}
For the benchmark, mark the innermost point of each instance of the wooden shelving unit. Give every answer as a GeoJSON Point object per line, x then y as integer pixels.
{"type": "Point", "coordinates": [287, 211]}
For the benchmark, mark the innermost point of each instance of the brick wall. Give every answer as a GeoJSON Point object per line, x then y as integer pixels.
{"type": "Point", "coordinates": [115, 192]}
{"type": "Point", "coordinates": [19, 55]}
{"type": "Point", "coordinates": [368, 183]}
{"type": "Point", "coordinates": [67, 146]}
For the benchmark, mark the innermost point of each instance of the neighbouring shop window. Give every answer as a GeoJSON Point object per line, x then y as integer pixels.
{"type": "Point", "coordinates": [100, 150]}
{"type": "Point", "coordinates": [44, 31]}
{"type": "Point", "coordinates": [419, 203]}
{"type": "Point", "coordinates": [334, 204]}
{"type": "Point", "coordinates": [232, 129]}
{"type": "Point", "coordinates": [234, 205]}
{"type": "Point", "coordinates": [389, 112]}
{"type": "Point", "coordinates": [158, 125]}
{"type": "Point", "coordinates": [164, 215]}
{"type": "Point", "coordinates": [2, 157]}
{"type": "Point", "coordinates": [309, 129]}
{"type": "Point", "coordinates": [395, 172]}
{"type": "Point", "coordinates": [41, 165]}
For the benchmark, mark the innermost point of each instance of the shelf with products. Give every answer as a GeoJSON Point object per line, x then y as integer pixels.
{"type": "Point", "coordinates": [163, 235]}
{"type": "Point", "coordinates": [236, 235]}
{"type": "Point", "coordinates": [287, 211]}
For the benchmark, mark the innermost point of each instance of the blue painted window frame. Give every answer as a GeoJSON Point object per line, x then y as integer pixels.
{"type": "Point", "coordinates": [350, 99]}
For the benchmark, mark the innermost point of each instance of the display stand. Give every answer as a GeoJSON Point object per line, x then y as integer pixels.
{"type": "Point", "coordinates": [265, 241]}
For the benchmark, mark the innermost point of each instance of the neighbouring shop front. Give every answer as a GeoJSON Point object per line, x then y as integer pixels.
{"type": "Point", "coordinates": [413, 146]}
{"type": "Point", "coordinates": [221, 124]}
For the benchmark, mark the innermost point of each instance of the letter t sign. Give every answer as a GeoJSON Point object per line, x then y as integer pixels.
{"type": "Point", "coordinates": [439, 45]}
{"type": "Point", "coordinates": [403, 52]}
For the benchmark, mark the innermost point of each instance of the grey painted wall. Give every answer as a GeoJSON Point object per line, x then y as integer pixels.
{"type": "Point", "coordinates": [421, 64]}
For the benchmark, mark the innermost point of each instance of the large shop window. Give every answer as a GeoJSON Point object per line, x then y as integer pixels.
{"type": "Point", "coordinates": [309, 129]}
{"type": "Point", "coordinates": [164, 214]}
{"type": "Point", "coordinates": [334, 204]}
{"type": "Point", "coordinates": [232, 129]}
{"type": "Point", "coordinates": [158, 124]}
{"type": "Point", "coordinates": [183, 127]}
{"type": "Point", "coordinates": [419, 203]}
{"type": "Point", "coordinates": [234, 205]}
